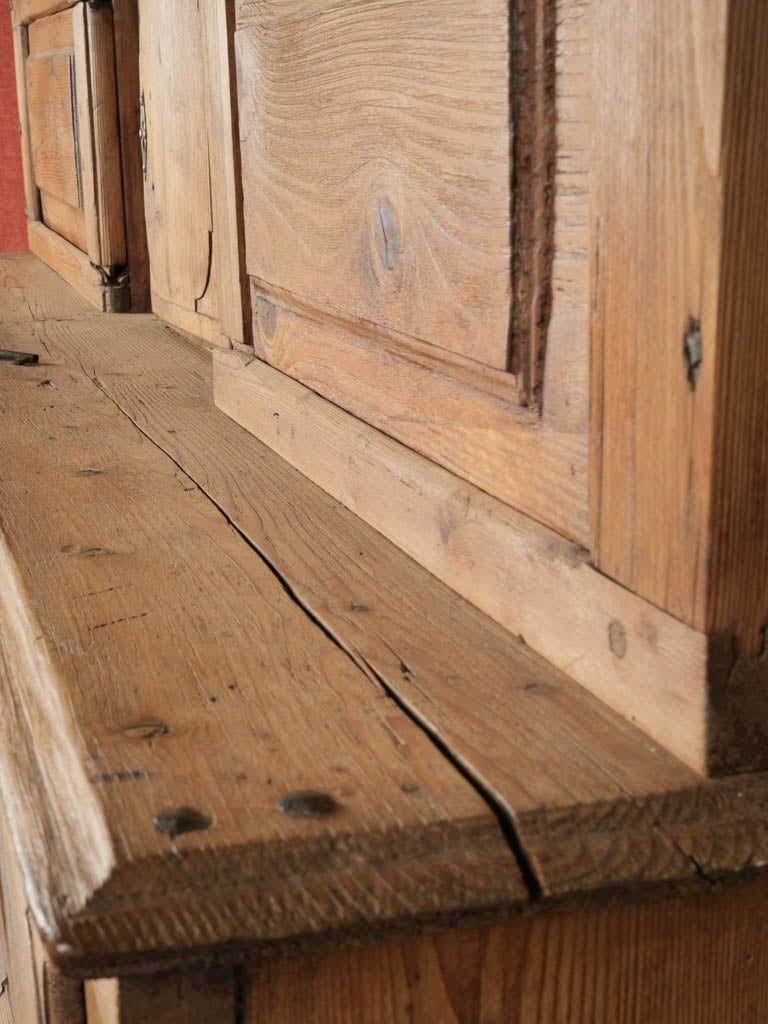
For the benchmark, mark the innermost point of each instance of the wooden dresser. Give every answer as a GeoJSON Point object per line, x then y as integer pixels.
{"type": "Point", "coordinates": [383, 545]}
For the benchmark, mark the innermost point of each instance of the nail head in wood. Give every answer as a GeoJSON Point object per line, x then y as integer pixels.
{"type": "Point", "coordinates": [175, 821]}
{"type": "Point", "coordinates": [307, 803]}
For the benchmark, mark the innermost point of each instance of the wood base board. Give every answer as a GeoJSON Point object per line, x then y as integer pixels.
{"type": "Point", "coordinates": [667, 677]}
{"type": "Point", "coordinates": [76, 269]}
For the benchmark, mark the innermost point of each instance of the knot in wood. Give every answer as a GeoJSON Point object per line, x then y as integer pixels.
{"type": "Point", "coordinates": [387, 235]}
{"type": "Point", "coordinates": [617, 638]}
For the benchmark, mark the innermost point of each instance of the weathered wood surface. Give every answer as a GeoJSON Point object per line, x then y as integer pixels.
{"type": "Point", "coordinates": [394, 206]}
{"type": "Point", "coordinates": [680, 252]}
{"type": "Point", "coordinates": [590, 805]}
{"type": "Point", "coordinates": [311, 230]}
{"type": "Point", "coordinates": [25, 11]}
{"type": "Point", "coordinates": [212, 690]}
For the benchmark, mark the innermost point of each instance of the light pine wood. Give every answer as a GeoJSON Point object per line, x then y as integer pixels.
{"type": "Point", "coordinates": [76, 269]}
{"type": "Point", "coordinates": [200, 326]}
{"type": "Point", "coordinates": [85, 133]}
{"type": "Point", "coordinates": [108, 184]}
{"type": "Point", "coordinates": [398, 211]}
{"type": "Point", "coordinates": [680, 249]}
{"type": "Point", "coordinates": [51, 103]}
{"type": "Point", "coordinates": [67, 221]}
{"type": "Point", "coordinates": [25, 11]}
{"type": "Point", "coordinates": [696, 960]}
{"type": "Point", "coordinates": [521, 574]}
{"type": "Point", "coordinates": [30, 291]}
{"type": "Point", "coordinates": [484, 438]}
{"type": "Point", "coordinates": [20, 54]}
{"type": "Point", "coordinates": [452, 409]}
{"type": "Point", "coordinates": [233, 309]}
{"type": "Point", "coordinates": [177, 193]}
{"type": "Point", "coordinates": [228, 725]}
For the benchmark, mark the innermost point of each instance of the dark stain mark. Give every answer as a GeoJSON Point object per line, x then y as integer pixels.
{"type": "Point", "coordinates": [359, 607]}
{"type": "Point", "coordinates": [214, 700]}
{"type": "Point", "coordinates": [410, 788]}
{"type": "Point", "coordinates": [116, 622]}
{"type": "Point", "coordinates": [693, 352]}
{"type": "Point", "coordinates": [175, 821]}
{"type": "Point", "coordinates": [617, 638]}
{"type": "Point", "coordinates": [265, 314]}
{"type": "Point", "coordinates": [89, 471]}
{"type": "Point", "coordinates": [47, 383]}
{"type": "Point", "coordinates": [146, 730]}
{"type": "Point", "coordinates": [307, 803]}
{"type": "Point", "coordinates": [387, 235]}
{"type": "Point", "coordinates": [128, 776]}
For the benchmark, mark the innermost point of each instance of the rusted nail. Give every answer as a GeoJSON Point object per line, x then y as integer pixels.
{"type": "Point", "coordinates": [19, 358]}
{"type": "Point", "coordinates": [307, 803]}
{"type": "Point", "coordinates": [617, 638]}
{"type": "Point", "coordinates": [175, 821]}
{"type": "Point", "coordinates": [693, 351]}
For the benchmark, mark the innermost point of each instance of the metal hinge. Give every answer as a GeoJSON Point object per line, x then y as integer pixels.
{"type": "Point", "coordinates": [143, 135]}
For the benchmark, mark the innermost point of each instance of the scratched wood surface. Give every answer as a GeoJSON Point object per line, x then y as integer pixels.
{"type": "Point", "coordinates": [213, 691]}
{"type": "Point", "coordinates": [404, 357]}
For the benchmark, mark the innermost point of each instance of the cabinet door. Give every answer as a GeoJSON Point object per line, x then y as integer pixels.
{"type": "Point", "coordinates": [69, 72]}
{"type": "Point", "coordinates": [401, 168]}
{"type": "Point", "coordinates": [191, 196]}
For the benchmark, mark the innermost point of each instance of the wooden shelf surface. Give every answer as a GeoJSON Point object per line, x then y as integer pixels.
{"type": "Point", "coordinates": [187, 622]}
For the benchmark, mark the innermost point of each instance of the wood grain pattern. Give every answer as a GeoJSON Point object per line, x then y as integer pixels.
{"type": "Point", "coordinates": [490, 441]}
{"type": "Point", "coordinates": [452, 409]}
{"type": "Point", "coordinates": [50, 86]}
{"type": "Point", "coordinates": [20, 54]}
{"type": "Point", "coordinates": [233, 306]}
{"type": "Point", "coordinates": [698, 960]}
{"type": "Point", "coordinates": [177, 195]}
{"type": "Point", "coordinates": [76, 269]}
{"type": "Point", "coordinates": [680, 106]}
{"type": "Point", "coordinates": [518, 572]}
{"type": "Point", "coordinates": [395, 206]}
{"type": "Point", "coordinates": [85, 133]}
{"type": "Point", "coordinates": [25, 11]}
{"type": "Point", "coordinates": [108, 183]}
{"type": "Point", "coordinates": [67, 221]}
{"type": "Point", "coordinates": [29, 290]}
{"type": "Point", "coordinates": [410, 834]}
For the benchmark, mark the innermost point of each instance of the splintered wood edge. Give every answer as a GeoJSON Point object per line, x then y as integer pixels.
{"type": "Point", "coordinates": [642, 662]}
{"type": "Point", "coordinates": [57, 823]}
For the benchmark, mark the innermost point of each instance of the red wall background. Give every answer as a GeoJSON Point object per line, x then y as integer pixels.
{"type": "Point", "coordinates": [13, 230]}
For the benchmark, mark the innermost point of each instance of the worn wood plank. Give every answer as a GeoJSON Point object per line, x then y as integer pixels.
{"type": "Point", "coordinates": [263, 705]}
{"type": "Point", "coordinates": [51, 35]}
{"type": "Point", "coordinates": [397, 212]}
{"type": "Point", "coordinates": [630, 654]}
{"type": "Point", "coordinates": [233, 307]}
{"type": "Point", "coordinates": [483, 437]}
{"type": "Point", "coordinates": [108, 182]}
{"type": "Point", "coordinates": [680, 362]}
{"type": "Point", "coordinates": [125, 18]}
{"type": "Point", "coordinates": [699, 960]}
{"type": "Point", "coordinates": [29, 290]}
{"type": "Point", "coordinates": [20, 54]}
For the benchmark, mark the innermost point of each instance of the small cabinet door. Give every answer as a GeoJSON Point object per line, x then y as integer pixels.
{"type": "Point", "coordinates": [69, 74]}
